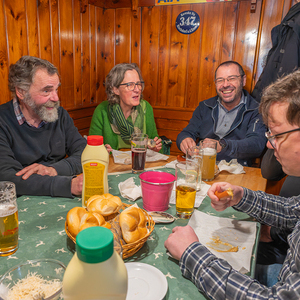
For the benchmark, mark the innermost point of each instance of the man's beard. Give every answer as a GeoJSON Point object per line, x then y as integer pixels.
{"type": "Point", "coordinates": [41, 110]}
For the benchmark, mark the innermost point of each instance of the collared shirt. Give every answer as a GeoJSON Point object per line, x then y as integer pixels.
{"type": "Point", "coordinates": [226, 118]}
{"type": "Point", "coordinates": [216, 278]}
{"type": "Point", "coordinates": [20, 117]}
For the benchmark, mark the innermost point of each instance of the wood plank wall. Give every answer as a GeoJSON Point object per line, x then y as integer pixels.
{"type": "Point", "coordinates": [178, 69]}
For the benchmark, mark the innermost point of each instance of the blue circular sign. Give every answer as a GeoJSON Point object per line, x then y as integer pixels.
{"type": "Point", "coordinates": [187, 22]}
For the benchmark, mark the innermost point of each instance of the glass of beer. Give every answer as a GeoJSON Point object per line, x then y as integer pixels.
{"type": "Point", "coordinates": [9, 225]}
{"type": "Point", "coordinates": [139, 142]}
{"type": "Point", "coordinates": [209, 151]}
{"type": "Point", "coordinates": [186, 174]}
{"type": "Point", "coordinates": [195, 155]}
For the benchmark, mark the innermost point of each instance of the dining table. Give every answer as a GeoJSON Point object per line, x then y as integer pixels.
{"type": "Point", "coordinates": [42, 227]}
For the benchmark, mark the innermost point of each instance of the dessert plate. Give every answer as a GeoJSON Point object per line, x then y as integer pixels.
{"type": "Point", "coordinates": [145, 282]}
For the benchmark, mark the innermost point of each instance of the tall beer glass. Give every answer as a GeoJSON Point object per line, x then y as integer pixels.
{"type": "Point", "coordinates": [139, 142]}
{"type": "Point", "coordinates": [209, 150]}
{"type": "Point", "coordinates": [9, 225]}
{"type": "Point", "coordinates": [195, 155]}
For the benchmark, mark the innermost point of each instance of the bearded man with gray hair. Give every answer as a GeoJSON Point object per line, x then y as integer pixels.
{"type": "Point", "coordinates": [40, 146]}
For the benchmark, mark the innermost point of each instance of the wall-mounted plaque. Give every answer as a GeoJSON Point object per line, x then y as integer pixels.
{"type": "Point", "coordinates": [169, 2]}
{"type": "Point", "coordinates": [187, 22]}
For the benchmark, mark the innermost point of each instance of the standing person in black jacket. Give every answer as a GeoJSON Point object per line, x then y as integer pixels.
{"type": "Point", "coordinates": [284, 56]}
{"type": "Point", "coordinates": [282, 59]}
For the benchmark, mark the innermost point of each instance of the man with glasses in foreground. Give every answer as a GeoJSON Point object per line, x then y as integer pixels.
{"type": "Point", "coordinates": [280, 109]}
{"type": "Point", "coordinates": [124, 112]}
{"type": "Point", "coordinates": [231, 118]}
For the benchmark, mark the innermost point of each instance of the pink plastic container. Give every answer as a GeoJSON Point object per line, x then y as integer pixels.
{"type": "Point", "coordinates": [156, 189]}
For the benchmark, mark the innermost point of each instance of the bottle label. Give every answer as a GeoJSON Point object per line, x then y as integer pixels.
{"type": "Point", "coordinates": [93, 179]}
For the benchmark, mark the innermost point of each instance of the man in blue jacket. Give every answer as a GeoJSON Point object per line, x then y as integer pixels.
{"type": "Point", "coordinates": [231, 118]}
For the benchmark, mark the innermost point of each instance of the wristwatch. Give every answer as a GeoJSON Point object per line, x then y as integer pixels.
{"type": "Point", "coordinates": [222, 143]}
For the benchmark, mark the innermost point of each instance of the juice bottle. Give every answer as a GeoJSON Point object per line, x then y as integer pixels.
{"type": "Point", "coordinates": [96, 270]}
{"type": "Point", "coordinates": [94, 160]}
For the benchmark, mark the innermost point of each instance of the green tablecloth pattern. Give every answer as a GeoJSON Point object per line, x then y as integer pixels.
{"type": "Point", "coordinates": [42, 235]}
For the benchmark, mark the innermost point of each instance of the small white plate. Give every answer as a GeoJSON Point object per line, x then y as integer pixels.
{"type": "Point", "coordinates": [145, 282]}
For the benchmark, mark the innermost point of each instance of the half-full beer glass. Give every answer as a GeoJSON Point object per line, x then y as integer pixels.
{"type": "Point", "coordinates": [186, 174]}
{"type": "Point", "coordinates": [209, 150]}
{"type": "Point", "coordinates": [139, 142]}
{"type": "Point", "coordinates": [9, 225]}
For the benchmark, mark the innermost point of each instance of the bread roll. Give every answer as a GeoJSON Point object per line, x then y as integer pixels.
{"type": "Point", "coordinates": [74, 216]}
{"type": "Point", "coordinates": [78, 218]}
{"type": "Point", "coordinates": [133, 224]}
{"type": "Point", "coordinates": [105, 204]}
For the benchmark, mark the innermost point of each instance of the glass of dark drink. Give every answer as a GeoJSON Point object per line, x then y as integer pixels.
{"type": "Point", "coordinates": [139, 142]}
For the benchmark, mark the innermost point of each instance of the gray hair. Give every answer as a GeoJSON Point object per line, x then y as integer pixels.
{"type": "Point", "coordinates": [115, 78]}
{"type": "Point", "coordinates": [283, 90]}
{"type": "Point", "coordinates": [21, 73]}
{"type": "Point", "coordinates": [231, 62]}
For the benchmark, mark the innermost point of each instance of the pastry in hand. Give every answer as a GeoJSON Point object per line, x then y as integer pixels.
{"type": "Point", "coordinates": [133, 224]}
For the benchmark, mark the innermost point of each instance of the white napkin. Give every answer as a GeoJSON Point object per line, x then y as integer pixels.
{"type": "Point", "coordinates": [129, 189]}
{"type": "Point", "coordinates": [200, 195]}
{"type": "Point", "coordinates": [235, 232]}
{"type": "Point", "coordinates": [171, 164]}
{"type": "Point", "coordinates": [232, 167]}
{"type": "Point", "coordinates": [124, 157]}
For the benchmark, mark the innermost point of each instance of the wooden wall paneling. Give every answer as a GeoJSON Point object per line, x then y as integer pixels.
{"type": "Point", "coordinates": [271, 16]}
{"type": "Point", "coordinates": [210, 48]}
{"type": "Point", "coordinates": [178, 60]}
{"type": "Point", "coordinates": [86, 56]}
{"type": "Point", "coordinates": [149, 52]}
{"type": "Point", "coordinates": [246, 38]}
{"type": "Point", "coordinates": [123, 35]}
{"type": "Point", "coordinates": [193, 62]}
{"type": "Point", "coordinates": [165, 22]}
{"type": "Point", "coordinates": [44, 30]}
{"type": "Point", "coordinates": [92, 39]}
{"type": "Point", "coordinates": [66, 54]}
{"type": "Point", "coordinates": [229, 31]}
{"type": "Point", "coordinates": [55, 33]}
{"type": "Point", "coordinates": [4, 63]}
{"type": "Point", "coordinates": [136, 38]}
{"type": "Point", "coordinates": [286, 7]}
{"type": "Point", "coordinates": [109, 42]}
{"type": "Point", "coordinates": [32, 28]}
{"type": "Point", "coordinates": [100, 53]}
{"type": "Point", "coordinates": [16, 29]}
{"type": "Point", "coordinates": [77, 58]}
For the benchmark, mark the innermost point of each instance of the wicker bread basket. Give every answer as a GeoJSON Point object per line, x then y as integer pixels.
{"type": "Point", "coordinates": [128, 249]}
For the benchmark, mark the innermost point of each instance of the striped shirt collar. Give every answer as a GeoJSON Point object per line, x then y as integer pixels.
{"type": "Point", "coordinates": [20, 117]}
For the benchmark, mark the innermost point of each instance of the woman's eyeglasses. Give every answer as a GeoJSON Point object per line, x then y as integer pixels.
{"type": "Point", "coordinates": [272, 138]}
{"type": "Point", "coordinates": [131, 85]}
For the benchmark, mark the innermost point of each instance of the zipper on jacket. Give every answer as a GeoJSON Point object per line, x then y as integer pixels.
{"type": "Point", "coordinates": [256, 121]}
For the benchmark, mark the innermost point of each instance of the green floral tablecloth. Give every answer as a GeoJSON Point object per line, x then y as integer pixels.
{"type": "Point", "coordinates": [42, 235]}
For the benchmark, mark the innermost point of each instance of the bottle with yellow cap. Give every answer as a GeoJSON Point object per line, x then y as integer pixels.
{"type": "Point", "coordinates": [94, 160]}
{"type": "Point", "coordinates": [96, 270]}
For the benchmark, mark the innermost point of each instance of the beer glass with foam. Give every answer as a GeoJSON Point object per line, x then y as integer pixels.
{"type": "Point", "coordinates": [186, 174]}
{"type": "Point", "coordinates": [139, 142]}
{"type": "Point", "coordinates": [9, 225]}
{"type": "Point", "coordinates": [209, 151]}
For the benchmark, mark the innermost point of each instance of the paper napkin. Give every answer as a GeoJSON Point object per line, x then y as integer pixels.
{"type": "Point", "coordinates": [232, 167]}
{"type": "Point", "coordinates": [129, 189]}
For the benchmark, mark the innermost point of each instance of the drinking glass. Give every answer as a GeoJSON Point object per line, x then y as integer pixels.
{"type": "Point", "coordinates": [186, 174]}
{"type": "Point", "coordinates": [139, 142]}
{"type": "Point", "coordinates": [9, 225]}
{"type": "Point", "coordinates": [209, 151]}
{"type": "Point", "coordinates": [195, 155]}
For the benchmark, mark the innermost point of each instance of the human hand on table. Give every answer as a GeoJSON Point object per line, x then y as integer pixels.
{"type": "Point", "coordinates": [76, 185]}
{"type": "Point", "coordinates": [222, 204]}
{"type": "Point", "coordinates": [108, 148]}
{"type": "Point", "coordinates": [219, 147]}
{"type": "Point", "coordinates": [187, 143]}
{"type": "Point", "coordinates": [158, 145]}
{"type": "Point", "coordinates": [36, 169]}
{"type": "Point", "coordinates": [179, 240]}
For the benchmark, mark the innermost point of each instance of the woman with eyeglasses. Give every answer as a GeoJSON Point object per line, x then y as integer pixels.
{"type": "Point", "coordinates": [124, 112]}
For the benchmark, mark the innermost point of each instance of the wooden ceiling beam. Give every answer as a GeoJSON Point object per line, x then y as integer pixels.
{"type": "Point", "coordinates": [121, 3]}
